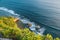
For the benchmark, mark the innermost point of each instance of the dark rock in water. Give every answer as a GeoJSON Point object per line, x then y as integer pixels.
{"type": "Point", "coordinates": [21, 24]}
{"type": "Point", "coordinates": [37, 27]}
{"type": "Point", "coordinates": [28, 25]}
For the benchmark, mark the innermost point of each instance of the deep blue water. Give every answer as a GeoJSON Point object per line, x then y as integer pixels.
{"type": "Point", "coordinates": [46, 13]}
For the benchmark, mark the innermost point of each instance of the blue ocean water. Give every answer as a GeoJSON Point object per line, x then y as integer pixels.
{"type": "Point", "coordinates": [46, 13]}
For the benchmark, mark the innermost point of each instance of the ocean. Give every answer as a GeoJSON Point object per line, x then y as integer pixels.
{"type": "Point", "coordinates": [45, 13]}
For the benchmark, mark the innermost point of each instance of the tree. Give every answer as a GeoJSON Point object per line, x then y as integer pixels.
{"type": "Point", "coordinates": [48, 37]}
{"type": "Point", "coordinates": [57, 39]}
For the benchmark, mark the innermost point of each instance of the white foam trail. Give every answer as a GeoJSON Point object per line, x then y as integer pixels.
{"type": "Point", "coordinates": [41, 31]}
{"type": "Point", "coordinates": [7, 10]}
{"type": "Point", "coordinates": [33, 26]}
{"type": "Point", "coordinates": [24, 20]}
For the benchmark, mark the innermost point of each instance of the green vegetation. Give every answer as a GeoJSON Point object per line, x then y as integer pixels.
{"type": "Point", "coordinates": [9, 29]}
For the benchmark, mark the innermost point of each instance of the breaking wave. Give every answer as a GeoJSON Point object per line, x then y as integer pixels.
{"type": "Point", "coordinates": [24, 20]}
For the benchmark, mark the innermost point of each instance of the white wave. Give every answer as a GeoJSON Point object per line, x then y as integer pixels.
{"type": "Point", "coordinates": [24, 20]}
{"type": "Point", "coordinates": [41, 31]}
{"type": "Point", "coordinates": [33, 27]}
{"type": "Point", "coordinates": [7, 10]}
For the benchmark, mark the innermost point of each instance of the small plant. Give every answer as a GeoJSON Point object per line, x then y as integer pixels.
{"type": "Point", "coordinates": [9, 29]}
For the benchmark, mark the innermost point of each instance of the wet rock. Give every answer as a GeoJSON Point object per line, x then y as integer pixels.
{"type": "Point", "coordinates": [20, 24]}
{"type": "Point", "coordinates": [28, 25]}
{"type": "Point", "coordinates": [37, 27]}
{"type": "Point", "coordinates": [16, 19]}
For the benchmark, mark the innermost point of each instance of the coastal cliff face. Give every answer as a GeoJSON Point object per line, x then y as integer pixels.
{"type": "Point", "coordinates": [19, 23]}
{"type": "Point", "coordinates": [10, 27]}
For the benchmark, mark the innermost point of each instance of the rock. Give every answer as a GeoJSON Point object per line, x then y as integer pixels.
{"type": "Point", "coordinates": [20, 24]}
{"type": "Point", "coordinates": [16, 19]}
{"type": "Point", "coordinates": [37, 27]}
{"type": "Point", "coordinates": [29, 24]}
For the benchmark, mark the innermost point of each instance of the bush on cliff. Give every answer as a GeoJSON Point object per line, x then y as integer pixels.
{"type": "Point", "coordinates": [9, 29]}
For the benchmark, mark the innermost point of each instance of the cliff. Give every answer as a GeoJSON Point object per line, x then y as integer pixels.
{"type": "Point", "coordinates": [13, 28]}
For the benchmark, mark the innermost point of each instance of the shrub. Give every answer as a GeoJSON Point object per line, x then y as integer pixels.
{"type": "Point", "coordinates": [9, 29]}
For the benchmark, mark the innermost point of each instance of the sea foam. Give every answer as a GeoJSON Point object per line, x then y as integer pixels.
{"type": "Point", "coordinates": [24, 20]}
